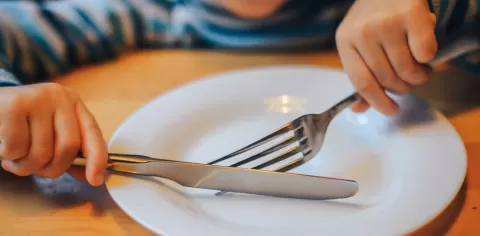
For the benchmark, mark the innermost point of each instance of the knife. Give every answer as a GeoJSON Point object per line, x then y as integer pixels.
{"type": "Point", "coordinates": [232, 179]}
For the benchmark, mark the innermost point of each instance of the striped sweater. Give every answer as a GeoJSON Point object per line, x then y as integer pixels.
{"type": "Point", "coordinates": [41, 39]}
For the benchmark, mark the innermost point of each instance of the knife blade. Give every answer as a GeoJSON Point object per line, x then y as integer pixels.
{"type": "Point", "coordinates": [233, 179]}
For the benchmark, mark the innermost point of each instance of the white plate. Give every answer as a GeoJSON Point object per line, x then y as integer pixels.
{"type": "Point", "coordinates": [409, 167]}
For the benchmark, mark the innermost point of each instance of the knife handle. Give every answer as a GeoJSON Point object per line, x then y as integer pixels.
{"type": "Point", "coordinates": [80, 160]}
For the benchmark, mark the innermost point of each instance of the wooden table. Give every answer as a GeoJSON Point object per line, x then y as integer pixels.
{"type": "Point", "coordinates": [32, 206]}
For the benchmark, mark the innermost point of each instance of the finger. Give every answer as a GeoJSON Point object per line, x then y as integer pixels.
{"type": "Point", "coordinates": [41, 147]}
{"type": "Point", "coordinates": [374, 56]}
{"type": "Point", "coordinates": [67, 142]}
{"type": "Point", "coordinates": [360, 106]}
{"type": "Point", "coordinates": [364, 82]}
{"type": "Point", "coordinates": [401, 58]}
{"type": "Point", "coordinates": [78, 173]}
{"type": "Point", "coordinates": [14, 136]}
{"type": "Point", "coordinates": [421, 37]}
{"type": "Point", "coordinates": [93, 146]}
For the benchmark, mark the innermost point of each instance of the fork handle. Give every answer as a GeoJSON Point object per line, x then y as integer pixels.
{"type": "Point", "coordinates": [464, 40]}
{"type": "Point", "coordinates": [340, 106]}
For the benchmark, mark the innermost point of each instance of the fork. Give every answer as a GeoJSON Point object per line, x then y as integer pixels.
{"type": "Point", "coordinates": [309, 130]}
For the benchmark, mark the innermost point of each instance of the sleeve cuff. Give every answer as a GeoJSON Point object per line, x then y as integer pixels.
{"type": "Point", "coordinates": [7, 79]}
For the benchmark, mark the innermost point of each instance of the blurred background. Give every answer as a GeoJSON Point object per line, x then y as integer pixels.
{"type": "Point", "coordinates": [452, 91]}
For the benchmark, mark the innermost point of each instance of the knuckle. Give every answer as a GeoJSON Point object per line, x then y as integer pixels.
{"type": "Point", "coordinates": [366, 30]}
{"type": "Point", "coordinates": [393, 84]}
{"type": "Point", "coordinates": [386, 24]}
{"type": "Point", "coordinates": [12, 151]}
{"type": "Point", "coordinates": [406, 70]}
{"type": "Point", "coordinates": [406, 12]}
{"type": "Point", "coordinates": [402, 89]}
{"type": "Point", "coordinates": [16, 105]}
{"type": "Point", "coordinates": [429, 48]}
{"type": "Point", "coordinates": [433, 19]}
{"type": "Point", "coordinates": [365, 85]}
{"type": "Point", "coordinates": [53, 87]}
{"type": "Point", "coordinates": [70, 147]}
{"type": "Point", "coordinates": [409, 11]}
{"type": "Point", "coordinates": [377, 25]}
{"type": "Point", "coordinates": [418, 80]}
{"type": "Point", "coordinates": [50, 91]}
{"type": "Point", "coordinates": [341, 35]}
{"type": "Point", "coordinates": [17, 100]}
{"type": "Point", "coordinates": [399, 89]}
{"type": "Point", "coordinates": [72, 94]}
{"type": "Point", "coordinates": [42, 155]}
{"type": "Point", "coordinates": [388, 82]}
{"type": "Point", "coordinates": [94, 129]}
{"type": "Point", "coordinates": [68, 92]}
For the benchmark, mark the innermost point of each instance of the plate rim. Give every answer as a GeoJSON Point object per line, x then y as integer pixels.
{"type": "Point", "coordinates": [219, 75]}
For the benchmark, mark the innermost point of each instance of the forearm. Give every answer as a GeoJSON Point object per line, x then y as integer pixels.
{"type": "Point", "coordinates": [38, 41]}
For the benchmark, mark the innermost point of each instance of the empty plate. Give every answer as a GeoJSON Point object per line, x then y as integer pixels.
{"type": "Point", "coordinates": [409, 167]}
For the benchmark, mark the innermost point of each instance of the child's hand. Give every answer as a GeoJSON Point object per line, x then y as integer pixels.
{"type": "Point", "coordinates": [382, 45]}
{"type": "Point", "coordinates": [43, 127]}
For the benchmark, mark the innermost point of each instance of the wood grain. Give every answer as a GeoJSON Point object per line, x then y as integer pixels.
{"type": "Point", "coordinates": [112, 91]}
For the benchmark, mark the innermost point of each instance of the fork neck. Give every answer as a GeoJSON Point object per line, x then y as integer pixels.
{"type": "Point", "coordinates": [340, 106]}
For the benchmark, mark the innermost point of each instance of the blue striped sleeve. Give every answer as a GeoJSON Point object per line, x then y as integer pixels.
{"type": "Point", "coordinates": [41, 40]}
{"type": "Point", "coordinates": [452, 14]}
{"type": "Point", "coordinates": [296, 25]}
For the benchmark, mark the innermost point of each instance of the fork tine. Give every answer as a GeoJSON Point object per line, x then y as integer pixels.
{"type": "Point", "coordinates": [292, 126]}
{"type": "Point", "coordinates": [291, 139]}
{"type": "Point", "coordinates": [298, 149]}
{"type": "Point", "coordinates": [284, 156]}
{"type": "Point", "coordinates": [293, 164]}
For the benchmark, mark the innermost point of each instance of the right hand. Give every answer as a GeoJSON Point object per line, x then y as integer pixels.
{"type": "Point", "coordinates": [43, 127]}
{"type": "Point", "coordinates": [384, 45]}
